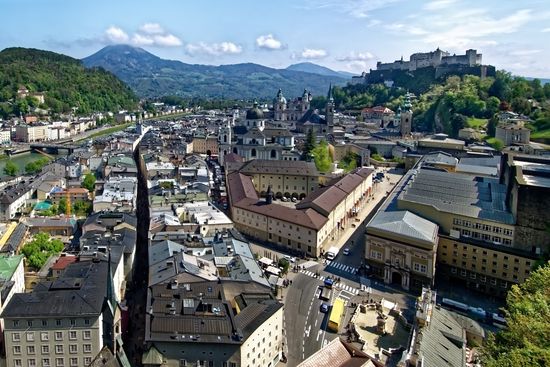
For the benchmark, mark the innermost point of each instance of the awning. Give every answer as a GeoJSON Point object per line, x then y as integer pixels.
{"type": "Point", "coordinates": [273, 270]}
{"type": "Point", "coordinates": [265, 261]}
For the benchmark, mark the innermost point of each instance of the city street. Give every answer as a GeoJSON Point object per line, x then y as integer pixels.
{"type": "Point", "coordinates": [303, 320]}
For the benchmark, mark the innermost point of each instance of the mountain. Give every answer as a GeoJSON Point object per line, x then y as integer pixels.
{"type": "Point", "coordinates": [309, 67]}
{"type": "Point", "coordinates": [150, 76]}
{"type": "Point", "coordinates": [64, 82]}
{"type": "Point", "coordinates": [542, 80]}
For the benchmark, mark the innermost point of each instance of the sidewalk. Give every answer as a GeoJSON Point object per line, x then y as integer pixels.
{"type": "Point", "coordinates": [379, 194]}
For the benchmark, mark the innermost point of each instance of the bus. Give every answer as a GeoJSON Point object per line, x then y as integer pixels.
{"type": "Point", "coordinates": [335, 315]}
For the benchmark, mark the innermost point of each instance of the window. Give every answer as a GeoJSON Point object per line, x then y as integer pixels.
{"type": "Point", "coordinates": [29, 323]}
{"type": "Point", "coordinates": [420, 267]}
{"type": "Point", "coordinates": [58, 335]}
{"type": "Point", "coordinates": [86, 335]}
{"type": "Point", "coordinates": [46, 362]}
{"type": "Point", "coordinates": [44, 322]}
{"type": "Point", "coordinates": [73, 322]}
{"type": "Point", "coordinates": [86, 321]}
{"type": "Point", "coordinates": [87, 360]}
{"type": "Point", "coordinates": [31, 363]}
{"type": "Point", "coordinates": [73, 348]}
{"type": "Point", "coordinates": [17, 363]}
{"type": "Point", "coordinates": [45, 349]}
{"type": "Point", "coordinates": [30, 336]}
{"type": "Point", "coordinates": [73, 362]}
{"type": "Point", "coordinates": [17, 349]}
{"type": "Point", "coordinates": [60, 362]}
{"type": "Point", "coordinates": [15, 337]}
{"type": "Point", "coordinates": [72, 335]}
{"type": "Point", "coordinates": [87, 348]}
{"type": "Point", "coordinates": [507, 232]}
{"type": "Point", "coordinates": [453, 270]}
{"type": "Point", "coordinates": [58, 322]}
{"type": "Point", "coordinates": [59, 349]}
{"type": "Point", "coordinates": [44, 336]}
{"type": "Point", "coordinates": [30, 349]}
{"type": "Point", "coordinates": [482, 278]}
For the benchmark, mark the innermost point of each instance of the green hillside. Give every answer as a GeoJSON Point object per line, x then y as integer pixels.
{"type": "Point", "coordinates": [460, 101]}
{"type": "Point", "coordinates": [64, 81]}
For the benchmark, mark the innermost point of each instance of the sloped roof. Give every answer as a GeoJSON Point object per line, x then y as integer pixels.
{"type": "Point", "coordinates": [405, 224]}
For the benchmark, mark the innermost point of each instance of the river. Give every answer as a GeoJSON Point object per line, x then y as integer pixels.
{"type": "Point", "coordinates": [21, 160]}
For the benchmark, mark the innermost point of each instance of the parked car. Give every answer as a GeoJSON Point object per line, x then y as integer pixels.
{"type": "Point", "coordinates": [290, 259]}
{"type": "Point", "coordinates": [324, 308]}
{"type": "Point", "coordinates": [346, 251]}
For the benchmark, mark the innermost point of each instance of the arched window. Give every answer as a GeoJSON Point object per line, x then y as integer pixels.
{"type": "Point", "coordinates": [273, 153]}
{"type": "Point", "coordinates": [253, 153]}
{"type": "Point", "coordinates": [225, 138]}
{"type": "Point", "coordinates": [235, 150]}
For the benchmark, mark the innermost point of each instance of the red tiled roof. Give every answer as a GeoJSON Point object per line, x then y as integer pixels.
{"type": "Point", "coordinates": [63, 262]}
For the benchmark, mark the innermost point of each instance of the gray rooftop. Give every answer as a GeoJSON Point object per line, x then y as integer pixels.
{"type": "Point", "coordinates": [469, 196]}
{"type": "Point", "coordinates": [80, 292]}
{"type": "Point", "coordinates": [404, 224]}
{"type": "Point", "coordinates": [442, 341]}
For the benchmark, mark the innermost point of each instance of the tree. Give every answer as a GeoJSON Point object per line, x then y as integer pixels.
{"type": "Point", "coordinates": [349, 162]}
{"type": "Point", "coordinates": [62, 207]}
{"type": "Point", "coordinates": [284, 265]}
{"type": "Point", "coordinates": [525, 342]}
{"type": "Point", "coordinates": [36, 166]}
{"type": "Point", "coordinates": [82, 208]}
{"type": "Point", "coordinates": [40, 249]}
{"type": "Point", "coordinates": [321, 155]}
{"type": "Point", "coordinates": [11, 168]}
{"type": "Point", "coordinates": [89, 182]}
{"type": "Point", "coordinates": [309, 144]}
{"type": "Point", "coordinates": [458, 122]}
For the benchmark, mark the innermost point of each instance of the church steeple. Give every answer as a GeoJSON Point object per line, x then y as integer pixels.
{"type": "Point", "coordinates": [329, 111]}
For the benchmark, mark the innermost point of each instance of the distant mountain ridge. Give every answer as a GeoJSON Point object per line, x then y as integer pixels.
{"type": "Point", "coordinates": [309, 67]}
{"type": "Point", "coordinates": [150, 76]}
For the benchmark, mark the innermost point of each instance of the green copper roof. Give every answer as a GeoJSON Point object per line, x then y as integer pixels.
{"type": "Point", "coordinates": [8, 265]}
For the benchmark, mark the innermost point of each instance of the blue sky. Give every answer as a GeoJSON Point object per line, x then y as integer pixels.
{"type": "Point", "coordinates": [348, 35]}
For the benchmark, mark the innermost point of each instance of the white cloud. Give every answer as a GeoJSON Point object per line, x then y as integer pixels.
{"type": "Point", "coordinates": [116, 35]}
{"type": "Point", "coordinates": [167, 40]}
{"type": "Point", "coordinates": [524, 52]}
{"type": "Point", "coordinates": [354, 8]}
{"type": "Point", "coordinates": [438, 4]}
{"type": "Point", "coordinates": [268, 42]}
{"type": "Point", "coordinates": [357, 56]}
{"type": "Point", "coordinates": [151, 28]}
{"type": "Point", "coordinates": [311, 53]}
{"type": "Point", "coordinates": [141, 40]}
{"type": "Point", "coordinates": [223, 48]}
{"type": "Point", "coordinates": [545, 30]}
{"type": "Point", "coordinates": [464, 30]}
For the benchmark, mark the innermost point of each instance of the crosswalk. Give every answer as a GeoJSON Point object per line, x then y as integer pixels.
{"type": "Point", "coordinates": [339, 266]}
{"type": "Point", "coordinates": [342, 286]}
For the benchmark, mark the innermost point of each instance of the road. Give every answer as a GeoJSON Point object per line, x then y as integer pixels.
{"type": "Point", "coordinates": [305, 325]}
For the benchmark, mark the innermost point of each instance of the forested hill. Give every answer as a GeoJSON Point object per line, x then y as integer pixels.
{"type": "Point", "coordinates": [449, 104]}
{"type": "Point", "coordinates": [64, 82]}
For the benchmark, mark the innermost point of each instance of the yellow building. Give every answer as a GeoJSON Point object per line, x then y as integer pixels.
{"type": "Point", "coordinates": [205, 144]}
{"type": "Point", "coordinates": [311, 225]}
{"type": "Point", "coordinates": [401, 249]}
{"type": "Point", "coordinates": [286, 178]}
{"type": "Point", "coordinates": [476, 228]}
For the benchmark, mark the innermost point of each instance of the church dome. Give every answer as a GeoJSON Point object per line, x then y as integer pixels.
{"type": "Point", "coordinates": [255, 113]}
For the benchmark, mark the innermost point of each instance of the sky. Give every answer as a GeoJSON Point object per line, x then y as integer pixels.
{"type": "Point", "coordinates": [344, 35]}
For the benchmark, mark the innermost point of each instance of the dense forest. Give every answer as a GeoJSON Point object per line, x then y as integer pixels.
{"type": "Point", "coordinates": [64, 81]}
{"type": "Point", "coordinates": [450, 105]}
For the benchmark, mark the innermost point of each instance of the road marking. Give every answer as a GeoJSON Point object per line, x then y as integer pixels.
{"type": "Point", "coordinates": [319, 334]}
{"type": "Point", "coordinates": [316, 322]}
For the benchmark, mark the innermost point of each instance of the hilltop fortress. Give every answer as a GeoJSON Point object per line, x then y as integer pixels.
{"type": "Point", "coordinates": [435, 58]}
{"type": "Point", "coordinates": [436, 63]}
